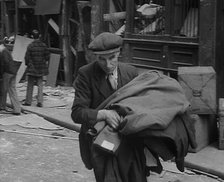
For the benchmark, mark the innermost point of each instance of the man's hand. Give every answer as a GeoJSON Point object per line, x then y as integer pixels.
{"type": "Point", "coordinates": [110, 116]}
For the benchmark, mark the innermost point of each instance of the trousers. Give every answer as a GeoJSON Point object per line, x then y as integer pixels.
{"type": "Point", "coordinates": [32, 80]}
{"type": "Point", "coordinates": [9, 87]}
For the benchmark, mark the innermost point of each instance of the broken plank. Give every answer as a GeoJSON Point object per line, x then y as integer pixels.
{"type": "Point", "coordinates": [114, 16]}
{"type": "Point", "coordinates": [53, 69]}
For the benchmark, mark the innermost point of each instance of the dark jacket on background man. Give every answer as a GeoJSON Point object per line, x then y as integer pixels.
{"type": "Point", "coordinates": [36, 58]}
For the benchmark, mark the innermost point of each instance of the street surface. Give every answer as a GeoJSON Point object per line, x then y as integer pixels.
{"type": "Point", "coordinates": [36, 158]}
{"type": "Point", "coordinates": [52, 155]}
{"type": "Point", "coordinates": [27, 156]}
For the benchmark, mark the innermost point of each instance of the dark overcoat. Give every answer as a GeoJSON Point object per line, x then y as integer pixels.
{"type": "Point", "coordinates": [91, 89]}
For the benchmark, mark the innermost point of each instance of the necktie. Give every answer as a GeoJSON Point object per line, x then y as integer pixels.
{"type": "Point", "coordinates": [113, 80]}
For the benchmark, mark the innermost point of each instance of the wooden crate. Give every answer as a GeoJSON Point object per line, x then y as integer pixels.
{"type": "Point", "coordinates": [205, 130]}
{"type": "Point", "coordinates": [199, 84]}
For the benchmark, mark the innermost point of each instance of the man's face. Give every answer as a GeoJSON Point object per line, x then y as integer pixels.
{"type": "Point", "coordinates": [108, 62]}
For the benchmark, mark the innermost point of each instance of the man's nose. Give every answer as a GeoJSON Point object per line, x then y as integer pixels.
{"type": "Point", "coordinates": [109, 63]}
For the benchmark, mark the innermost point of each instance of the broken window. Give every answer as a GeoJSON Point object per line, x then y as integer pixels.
{"type": "Point", "coordinates": [162, 17]}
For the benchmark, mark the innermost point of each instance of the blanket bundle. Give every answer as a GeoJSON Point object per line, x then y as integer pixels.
{"type": "Point", "coordinates": [154, 110]}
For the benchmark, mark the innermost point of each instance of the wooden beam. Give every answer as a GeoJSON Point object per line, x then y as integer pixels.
{"type": "Point", "coordinates": [2, 21]}
{"type": "Point", "coordinates": [55, 50]}
{"type": "Point", "coordinates": [219, 45]}
{"type": "Point", "coordinates": [114, 16]}
{"type": "Point", "coordinates": [130, 8]}
{"type": "Point", "coordinates": [38, 134]}
{"type": "Point", "coordinates": [73, 51]}
{"type": "Point", "coordinates": [45, 36]}
{"type": "Point", "coordinates": [74, 21]}
{"type": "Point", "coordinates": [65, 43]}
{"type": "Point", "coordinates": [207, 33]}
{"type": "Point", "coordinates": [53, 25]}
{"type": "Point", "coordinates": [5, 19]}
{"type": "Point", "coordinates": [16, 17]}
{"type": "Point", "coordinates": [96, 17]}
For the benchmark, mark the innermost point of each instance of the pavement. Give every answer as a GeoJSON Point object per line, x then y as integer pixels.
{"type": "Point", "coordinates": [209, 160]}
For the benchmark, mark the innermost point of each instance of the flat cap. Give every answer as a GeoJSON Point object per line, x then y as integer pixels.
{"type": "Point", "coordinates": [106, 43]}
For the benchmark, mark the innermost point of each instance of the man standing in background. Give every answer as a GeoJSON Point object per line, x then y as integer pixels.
{"type": "Point", "coordinates": [36, 59]}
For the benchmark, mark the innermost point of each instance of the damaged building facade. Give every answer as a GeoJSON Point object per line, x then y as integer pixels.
{"type": "Point", "coordinates": [57, 21]}
{"type": "Point", "coordinates": [158, 34]}
{"type": "Point", "coordinates": [165, 35]}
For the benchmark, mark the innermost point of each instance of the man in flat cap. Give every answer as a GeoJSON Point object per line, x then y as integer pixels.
{"type": "Point", "coordinates": [94, 83]}
{"type": "Point", "coordinates": [9, 69]}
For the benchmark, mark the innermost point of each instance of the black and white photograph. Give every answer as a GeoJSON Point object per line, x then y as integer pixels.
{"type": "Point", "coordinates": [111, 91]}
